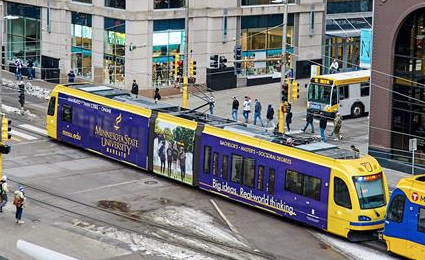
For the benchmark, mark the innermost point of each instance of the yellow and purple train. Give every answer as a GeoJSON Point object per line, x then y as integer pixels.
{"type": "Point", "coordinates": [315, 183]}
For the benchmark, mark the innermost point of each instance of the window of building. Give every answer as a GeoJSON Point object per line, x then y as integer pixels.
{"type": "Point", "coordinates": [236, 166]}
{"type": "Point", "coordinates": [260, 181]}
{"type": "Point", "coordinates": [24, 33]}
{"type": "Point", "coordinates": [168, 40]}
{"type": "Point", "coordinates": [262, 38]}
{"type": "Point", "coordinates": [421, 220]}
{"type": "Point", "coordinates": [264, 2]}
{"type": "Point", "coordinates": [120, 4]}
{"type": "Point", "coordinates": [248, 172]}
{"type": "Point", "coordinates": [270, 183]}
{"type": "Point", "coordinates": [67, 114]}
{"type": "Point", "coordinates": [167, 4]}
{"type": "Point", "coordinates": [350, 6]}
{"type": "Point", "coordinates": [396, 209]}
{"type": "Point", "coordinates": [225, 167]}
{"type": "Point", "coordinates": [364, 89]}
{"type": "Point", "coordinates": [302, 184]}
{"type": "Point", "coordinates": [114, 52]}
{"type": "Point", "coordinates": [215, 164]}
{"type": "Point", "coordinates": [83, 1]}
{"type": "Point", "coordinates": [52, 105]}
{"type": "Point", "coordinates": [81, 49]}
{"type": "Point", "coordinates": [207, 159]}
{"type": "Point", "coordinates": [341, 193]}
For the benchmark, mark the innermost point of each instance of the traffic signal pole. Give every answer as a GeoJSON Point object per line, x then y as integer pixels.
{"type": "Point", "coordinates": [186, 60]}
{"type": "Point", "coordinates": [283, 70]}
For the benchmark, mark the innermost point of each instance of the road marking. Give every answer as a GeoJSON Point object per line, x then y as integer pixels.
{"type": "Point", "coordinates": [25, 136]}
{"type": "Point", "coordinates": [15, 139]}
{"type": "Point", "coordinates": [35, 129]}
{"type": "Point", "coordinates": [104, 187]}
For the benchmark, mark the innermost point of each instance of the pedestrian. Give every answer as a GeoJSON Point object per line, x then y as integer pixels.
{"type": "Point", "coordinates": [157, 96]}
{"type": "Point", "coordinates": [322, 126]}
{"type": "Point", "coordinates": [246, 108]}
{"type": "Point", "coordinates": [235, 108]}
{"type": "Point", "coordinates": [337, 127]}
{"type": "Point", "coordinates": [309, 122]}
{"type": "Point", "coordinates": [161, 153]}
{"type": "Point", "coordinates": [30, 65]}
{"type": "Point", "coordinates": [257, 112]}
{"type": "Point", "coordinates": [71, 76]}
{"type": "Point", "coordinates": [19, 67]}
{"type": "Point", "coordinates": [135, 88]}
{"type": "Point", "coordinates": [19, 202]}
{"type": "Point", "coordinates": [334, 67]}
{"type": "Point", "coordinates": [212, 104]}
{"type": "Point", "coordinates": [3, 192]}
{"type": "Point", "coordinates": [182, 159]}
{"type": "Point", "coordinates": [270, 117]}
{"type": "Point", "coordinates": [288, 118]}
{"type": "Point", "coordinates": [111, 73]}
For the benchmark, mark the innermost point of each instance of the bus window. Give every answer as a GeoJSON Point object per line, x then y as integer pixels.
{"type": "Point", "coordinates": [51, 109]}
{"type": "Point", "coordinates": [207, 159]}
{"type": "Point", "coordinates": [215, 164]}
{"type": "Point", "coordinates": [343, 92]}
{"type": "Point", "coordinates": [236, 167]}
{"type": "Point", "coordinates": [421, 220]}
{"type": "Point", "coordinates": [260, 181]}
{"type": "Point", "coordinates": [67, 114]}
{"type": "Point", "coordinates": [270, 186]}
{"type": "Point", "coordinates": [341, 193]}
{"type": "Point", "coordinates": [396, 209]}
{"type": "Point", "coordinates": [225, 167]}
{"type": "Point", "coordinates": [248, 172]}
{"type": "Point", "coordinates": [364, 89]}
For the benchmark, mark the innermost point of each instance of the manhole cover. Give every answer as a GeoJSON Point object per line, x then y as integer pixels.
{"type": "Point", "coordinates": [151, 182]}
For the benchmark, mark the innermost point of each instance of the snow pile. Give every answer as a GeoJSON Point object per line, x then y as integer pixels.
{"type": "Point", "coordinates": [30, 89]}
{"type": "Point", "coordinates": [14, 110]}
{"type": "Point", "coordinates": [354, 251]}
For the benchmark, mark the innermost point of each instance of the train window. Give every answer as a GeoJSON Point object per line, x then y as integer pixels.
{"type": "Point", "coordinates": [236, 168]}
{"type": "Point", "coordinates": [207, 159]}
{"type": "Point", "coordinates": [341, 193]}
{"type": "Point", "coordinates": [225, 167]}
{"type": "Point", "coordinates": [215, 164]}
{"type": "Point", "coordinates": [52, 104]}
{"type": "Point", "coordinates": [302, 184]}
{"type": "Point", "coordinates": [248, 172]}
{"type": "Point", "coordinates": [270, 186]}
{"type": "Point", "coordinates": [312, 187]}
{"type": "Point", "coordinates": [421, 220]}
{"type": "Point", "coordinates": [294, 182]}
{"type": "Point", "coordinates": [67, 113]}
{"type": "Point", "coordinates": [396, 209]}
{"type": "Point", "coordinates": [260, 181]}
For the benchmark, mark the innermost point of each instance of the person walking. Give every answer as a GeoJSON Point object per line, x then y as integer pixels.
{"type": "Point", "coordinates": [322, 126]}
{"type": "Point", "coordinates": [157, 96]}
{"type": "Point", "coordinates": [182, 160]}
{"type": "Point", "coordinates": [257, 112]}
{"type": "Point", "coordinates": [111, 73]}
{"type": "Point", "coordinates": [212, 104]}
{"type": "Point", "coordinates": [135, 88]}
{"type": "Point", "coordinates": [246, 108]}
{"type": "Point", "coordinates": [309, 122]}
{"type": "Point", "coordinates": [334, 67]}
{"type": "Point", "coordinates": [3, 192]}
{"type": "Point", "coordinates": [337, 127]}
{"type": "Point", "coordinates": [71, 76]}
{"type": "Point", "coordinates": [288, 118]}
{"type": "Point", "coordinates": [19, 67]}
{"type": "Point", "coordinates": [19, 202]}
{"type": "Point", "coordinates": [270, 117]}
{"type": "Point", "coordinates": [235, 108]}
{"type": "Point", "coordinates": [30, 65]}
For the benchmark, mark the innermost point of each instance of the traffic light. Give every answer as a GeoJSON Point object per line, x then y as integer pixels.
{"type": "Point", "coordinates": [22, 95]}
{"type": "Point", "coordinates": [237, 55]}
{"type": "Point", "coordinates": [295, 91]}
{"type": "Point", "coordinates": [5, 134]}
{"type": "Point", "coordinates": [214, 61]}
{"type": "Point", "coordinates": [285, 92]}
{"type": "Point", "coordinates": [176, 64]}
{"type": "Point", "coordinates": [222, 64]}
{"type": "Point", "coordinates": [192, 70]}
{"type": "Point", "coordinates": [180, 68]}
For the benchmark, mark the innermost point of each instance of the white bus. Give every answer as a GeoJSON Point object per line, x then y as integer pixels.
{"type": "Point", "coordinates": [346, 93]}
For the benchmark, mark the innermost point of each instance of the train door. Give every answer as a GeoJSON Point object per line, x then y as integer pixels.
{"type": "Point", "coordinates": [51, 116]}
{"type": "Point", "coordinates": [340, 206]}
{"type": "Point", "coordinates": [396, 224]}
{"type": "Point", "coordinates": [416, 232]}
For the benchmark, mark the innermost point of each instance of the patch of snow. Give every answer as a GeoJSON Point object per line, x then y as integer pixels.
{"type": "Point", "coordinates": [30, 89]}
{"type": "Point", "coordinates": [353, 250]}
{"type": "Point", "coordinates": [14, 110]}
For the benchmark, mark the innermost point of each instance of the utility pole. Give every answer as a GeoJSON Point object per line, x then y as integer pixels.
{"type": "Point", "coordinates": [283, 69]}
{"type": "Point", "coordinates": [1, 56]}
{"type": "Point", "coordinates": [186, 60]}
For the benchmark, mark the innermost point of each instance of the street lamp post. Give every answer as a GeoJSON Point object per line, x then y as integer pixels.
{"type": "Point", "coordinates": [186, 60]}
{"type": "Point", "coordinates": [283, 67]}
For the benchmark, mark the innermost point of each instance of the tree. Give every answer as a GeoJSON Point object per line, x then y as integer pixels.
{"type": "Point", "coordinates": [185, 137]}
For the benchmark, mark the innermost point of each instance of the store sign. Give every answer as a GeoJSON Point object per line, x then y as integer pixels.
{"type": "Point", "coordinates": [365, 48]}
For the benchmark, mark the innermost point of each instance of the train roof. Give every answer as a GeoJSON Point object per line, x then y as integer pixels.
{"type": "Point", "coordinates": [301, 141]}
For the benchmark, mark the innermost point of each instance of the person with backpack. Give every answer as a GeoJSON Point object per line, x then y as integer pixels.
{"type": "Point", "coordinates": [235, 107]}
{"type": "Point", "coordinates": [19, 202]}
{"type": "Point", "coordinates": [257, 112]}
{"type": "Point", "coordinates": [337, 127]}
{"type": "Point", "coordinates": [161, 154]}
{"type": "Point", "coordinates": [157, 96]}
{"type": "Point", "coordinates": [182, 160]}
{"type": "Point", "coordinates": [270, 116]}
{"type": "Point", "coordinates": [322, 126]}
{"type": "Point", "coordinates": [19, 67]}
{"type": "Point", "coordinates": [3, 192]}
{"type": "Point", "coordinates": [169, 158]}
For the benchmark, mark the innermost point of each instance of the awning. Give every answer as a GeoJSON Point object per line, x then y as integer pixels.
{"type": "Point", "coordinates": [344, 33]}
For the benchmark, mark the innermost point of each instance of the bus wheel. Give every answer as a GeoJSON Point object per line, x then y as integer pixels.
{"type": "Point", "coordinates": [357, 110]}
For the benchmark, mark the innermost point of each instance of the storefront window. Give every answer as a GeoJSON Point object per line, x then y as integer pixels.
{"type": "Point", "coordinates": [262, 39]}
{"type": "Point", "coordinates": [115, 3]}
{"type": "Point", "coordinates": [114, 52]}
{"type": "Point", "coordinates": [166, 4]}
{"type": "Point", "coordinates": [81, 48]}
{"type": "Point", "coordinates": [264, 2]}
{"type": "Point", "coordinates": [23, 33]}
{"type": "Point", "coordinates": [168, 40]}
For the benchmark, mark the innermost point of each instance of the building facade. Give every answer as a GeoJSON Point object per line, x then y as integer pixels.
{"type": "Point", "coordinates": [116, 41]}
{"type": "Point", "coordinates": [398, 77]}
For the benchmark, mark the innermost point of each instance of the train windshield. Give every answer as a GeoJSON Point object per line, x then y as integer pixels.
{"type": "Point", "coordinates": [370, 190]}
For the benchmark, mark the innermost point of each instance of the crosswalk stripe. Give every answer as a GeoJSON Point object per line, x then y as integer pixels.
{"type": "Point", "coordinates": [35, 129]}
{"type": "Point", "coordinates": [15, 139]}
{"type": "Point", "coordinates": [25, 136]}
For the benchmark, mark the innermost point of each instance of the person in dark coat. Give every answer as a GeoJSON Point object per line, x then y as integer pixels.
{"type": "Point", "coordinates": [322, 125]}
{"type": "Point", "coordinates": [30, 66]}
{"type": "Point", "coordinates": [71, 76]}
{"type": "Point", "coordinates": [235, 107]}
{"type": "Point", "coordinates": [257, 112]}
{"type": "Point", "coordinates": [157, 96]}
{"type": "Point", "coordinates": [309, 121]}
{"type": "Point", "coordinates": [288, 119]}
{"type": "Point", "coordinates": [270, 116]}
{"type": "Point", "coordinates": [135, 88]}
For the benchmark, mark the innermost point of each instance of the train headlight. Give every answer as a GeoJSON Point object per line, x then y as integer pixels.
{"type": "Point", "coordinates": [364, 218]}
